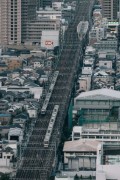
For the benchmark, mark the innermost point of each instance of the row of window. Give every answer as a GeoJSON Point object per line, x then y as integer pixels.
{"type": "Point", "coordinates": [101, 137]}
{"type": "Point", "coordinates": [13, 39]}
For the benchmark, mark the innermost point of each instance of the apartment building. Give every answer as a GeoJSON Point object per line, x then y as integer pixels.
{"type": "Point", "coordinates": [110, 9]}
{"type": "Point", "coordinates": [10, 22]}
{"type": "Point", "coordinates": [28, 13]}
{"type": "Point", "coordinates": [14, 18]}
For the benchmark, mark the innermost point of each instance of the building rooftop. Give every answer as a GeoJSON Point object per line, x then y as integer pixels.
{"type": "Point", "coordinates": [81, 146]}
{"type": "Point", "coordinates": [110, 93]}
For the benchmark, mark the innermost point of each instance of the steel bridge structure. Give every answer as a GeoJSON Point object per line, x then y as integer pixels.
{"type": "Point", "coordinates": [37, 161]}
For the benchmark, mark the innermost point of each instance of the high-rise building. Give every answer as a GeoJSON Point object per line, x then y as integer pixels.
{"type": "Point", "coordinates": [110, 9]}
{"type": "Point", "coordinates": [14, 18]}
{"type": "Point", "coordinates": [10, 22]}
{"type": "Point", "coordinates": [28, 13]}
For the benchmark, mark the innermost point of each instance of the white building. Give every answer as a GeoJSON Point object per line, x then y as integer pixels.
{"type": "Point", "coordinates": [90, 51]}
{"type": "Point", "coordinates": [57, 5]}
{"type": "Point", "coordinates": [87, 70]}
{"type": "Point", "coordinates": [84, 83]}
{"type": "Point", "coordinates": [36, 91]}
{"type": "Point", "coordinates": [8, 153]}
{"type": "Point", "coordinates": [108, 162]}
{"type": "Point", "coordinates": [32, 112]}
{"type": "Point", "coordinates": [102, 135]}
{"type": "Point", "coordinates": [50, 13]}
{"type": "Point", "coordinates": [15, 134]}
{"type": "Point", "coordinates": [105, 63]}
{"type": "Point", "coordinates": [50, 39]}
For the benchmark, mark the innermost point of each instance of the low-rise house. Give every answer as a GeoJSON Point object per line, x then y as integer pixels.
{"type": "Point", "coordinates": [15, 133]}
{"type": "Point", "coordinates": [84, 83]}
{"type": "Point", "coordinates": [20, 80]}
{"type": "Point", "coordinates": [8, 153]}
{"type": "Point", "coordinates": [90, 51]}
{"type": "Point", "coordinates": [21, 119]}
{"type": "Point", "coordinates": [101, 79]}
{"type": "Point", "coordinates": [4, 131]}
{"type": "Point", "coordinates": [10, 96]}
{"type": "Point", "coordinates": [13, 62]}
{"type": "Point", "coordinates": [37, 64]}
{"type": "Point", "coordinates": [3, 105]}
{"type": "Point", "coordinates": [87, 71]}
{"type": "Point", "coordinates": [15, 74]}
{"type": "Point", "coordinates": [105, 63]}
{"type": "Point", "coordinates": [14, 109]}
{"type": "Point", "coordinates": [32, 111]}
{"type": "Point", "coordinates": [32, 88]}
{"type": "Point", "coordinates": [5, 118]}
{"type": "Point", "coordinates": [3, 67]}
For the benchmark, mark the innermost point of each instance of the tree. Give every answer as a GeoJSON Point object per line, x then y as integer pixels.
{"type": "Point", "coordinates": [4, 177]}
{"type": "Point", "coordinates": [90, 177]}
{"type": "Point", "coordinates": [76, 177]}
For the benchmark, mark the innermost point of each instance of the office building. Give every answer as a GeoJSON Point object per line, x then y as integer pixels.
{"type": "Point", "coordinates": [110, 9]}
{"type": "Point", "coordinates": [28, 13]}
{"type": "Point", "coordinates": [36, 27]}
{"type": "Point", "coordinates": [10, 22]}
{"type": "Point", "coordinates": [14, 19]}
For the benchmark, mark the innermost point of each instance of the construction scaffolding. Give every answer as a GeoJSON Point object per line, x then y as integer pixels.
{"type": "Point", "coordinates": [87, 116]}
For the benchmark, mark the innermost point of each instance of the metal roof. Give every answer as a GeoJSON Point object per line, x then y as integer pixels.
{"type": "Point", "coordinates": [103, 92]}
{"type": "Point", "coordinates": [82, 145]}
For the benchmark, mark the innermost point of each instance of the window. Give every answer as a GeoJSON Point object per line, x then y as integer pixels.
{"type": "Point", "coordinates": [77, 134]}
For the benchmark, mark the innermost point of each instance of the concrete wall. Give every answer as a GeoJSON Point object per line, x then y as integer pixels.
{"type": "Point", "coordinates": [64, 178]}
{"type": "Point", "coordinates": [111, 171]}
{"type": "Point", "coordinates": [79, 173]}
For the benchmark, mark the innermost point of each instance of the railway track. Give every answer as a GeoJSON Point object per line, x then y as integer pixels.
{"type": "Point", "coordinates": [37, 161]}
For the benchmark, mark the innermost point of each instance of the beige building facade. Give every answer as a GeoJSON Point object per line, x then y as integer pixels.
{"type": "Point", "coordinates": [10, 22]}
